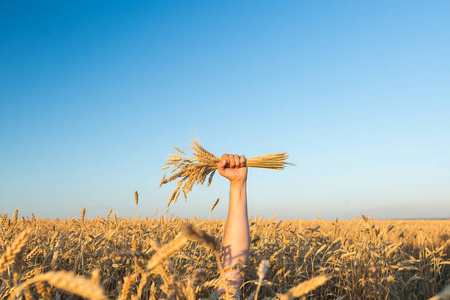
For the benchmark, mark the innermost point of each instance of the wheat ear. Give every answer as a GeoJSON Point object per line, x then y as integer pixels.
{"type": "Point", "coordinates": [136, 200]}
{"type": "Point", "coordinates": [304, 287]}
{"type": "Point", "coordinates": [123, 255]}
{"type": "Point", "coordinates": [166, 251]}
{"type": "Point", "coordinates": [15, 250]}
{"type": "Point", "coordinates": [200, 237]}
{"type": "Point", "coordinates": [83, 213]}
{"type": "Point", "coordinates": [68, 282]}
{"type": "Point", "coordinates": [214, 205]}
{"type": "Point", "coordinates": [262, 270]}
{"type": "Point", "coordinates": [127, 285]}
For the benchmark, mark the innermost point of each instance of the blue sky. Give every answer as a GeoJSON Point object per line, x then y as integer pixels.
{"type": "Point", "coordinates": [94, 94]}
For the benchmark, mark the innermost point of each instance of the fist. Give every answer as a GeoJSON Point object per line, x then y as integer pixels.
{"type": "Point", "coordinates": [233, 167]}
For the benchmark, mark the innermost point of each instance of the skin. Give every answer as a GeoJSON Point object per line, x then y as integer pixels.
{"type": "Point", "coordinates": [236, 238]}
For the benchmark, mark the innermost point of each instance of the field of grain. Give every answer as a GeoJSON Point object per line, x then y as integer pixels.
{"type": "Point", "coordinates": [162, 258]}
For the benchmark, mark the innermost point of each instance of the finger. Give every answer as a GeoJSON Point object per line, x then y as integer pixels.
{"type": "Point", "coordinates": [242, 161]}
{"type": "Point", "coordinates": [232, 161]}
{"type": "Point", "coordinates": [236, 161]}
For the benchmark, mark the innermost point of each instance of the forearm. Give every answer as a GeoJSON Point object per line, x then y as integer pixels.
{"type": "Point", "coordinates": [236, 239]}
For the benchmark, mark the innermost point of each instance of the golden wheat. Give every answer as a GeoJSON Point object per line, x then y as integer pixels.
{"type": "Point", "coordinates": [69, 282]}
{"type": "Point", "coordinates": [136, 200]}
{"type": "Point", "coordinates": [195, 169]}
{"type": "Point", "coordinates": [126, 289]}
{"type": "Point", "coordinates": [43, 290]}
{"type": "Point", "coordinates": [13, 252]}
{"type": "Point", "coordinates": [2, 237]}
{"type": "Point", "coordinates": [166, 251]}
{"type": "Point", "coordinates": [214, 205]}
{"type": "Point", "coordinates": [200, 237]}
{"type": "Point", "coordinates": [122, 255]}
{"type": "Point", "coordinates": [304, 288]}
{"type": "Point", "coordinates": [262, 270]}
{"type": "Point", "coordinates": [83, 213]}
{"type": "Point", "coordinates": [365, 259]}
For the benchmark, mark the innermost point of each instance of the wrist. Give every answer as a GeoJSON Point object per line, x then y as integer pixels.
{"type": "Point", "coordinates": [239, 188]}
{"type": "Point", "coordinates": [238, 191]}
{"type": "Point", "coordinates": [239, 183]}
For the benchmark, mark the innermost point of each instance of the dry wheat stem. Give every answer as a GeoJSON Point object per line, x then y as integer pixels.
{"type": "Point", "coordinates": [190, 170]}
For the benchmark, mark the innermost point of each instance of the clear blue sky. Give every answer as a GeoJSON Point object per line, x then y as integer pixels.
{"type": "Point", "coordinates": [94, 94]}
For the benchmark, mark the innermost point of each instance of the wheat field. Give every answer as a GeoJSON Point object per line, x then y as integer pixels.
{"type": "Point", "coordinates": [166, 258]}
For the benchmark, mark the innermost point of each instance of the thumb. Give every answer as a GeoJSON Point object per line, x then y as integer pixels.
{"type": "Point", "coordinates": [221, 164]}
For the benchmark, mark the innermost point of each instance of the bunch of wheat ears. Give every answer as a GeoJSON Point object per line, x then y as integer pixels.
{"type": "Point", "coordinates": [195, 169]}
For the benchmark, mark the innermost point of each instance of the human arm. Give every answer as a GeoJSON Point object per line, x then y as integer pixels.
{"type": "Point", "coordinates": [236, 237]}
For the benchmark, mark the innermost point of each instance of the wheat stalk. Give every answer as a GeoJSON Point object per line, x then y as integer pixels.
{"type": "Point", "coordinates": [96, 277]}
{"type": "Point", "coordinates": [190, 170]}
{"type": "Point", "coordinates": [127, 285]}
{"type": "Point", "coordinates": [43, 290]}
{"type": "Point", "coordinates": [200, 237]}
{"type": "Point", "coordinates": [2, 237]}
{"type": "Point", "coordinates": [83, 213]}
{"type": "Point", "coordinates": [56, 251]}
{"type": "Point", "coordinates": [262, 270]}
{"type": "Point", "coordinates": [16, 213]}
{"type": "Point", "coordinates": [123, 255]}
{"type": "Point", "coordinates": [136, 200]}
{"type": "Point", "coordinates": [212, 207]}
{"type": "Point", "coordinates": [14, 252]}
{"type": "Point", "coordinates": [304, 287]}
{"type": "Point", "coordinates": [166, 251]}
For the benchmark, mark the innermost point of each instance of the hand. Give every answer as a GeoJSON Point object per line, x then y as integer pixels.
{"type": "Point", "coordinates": [233, 167]}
